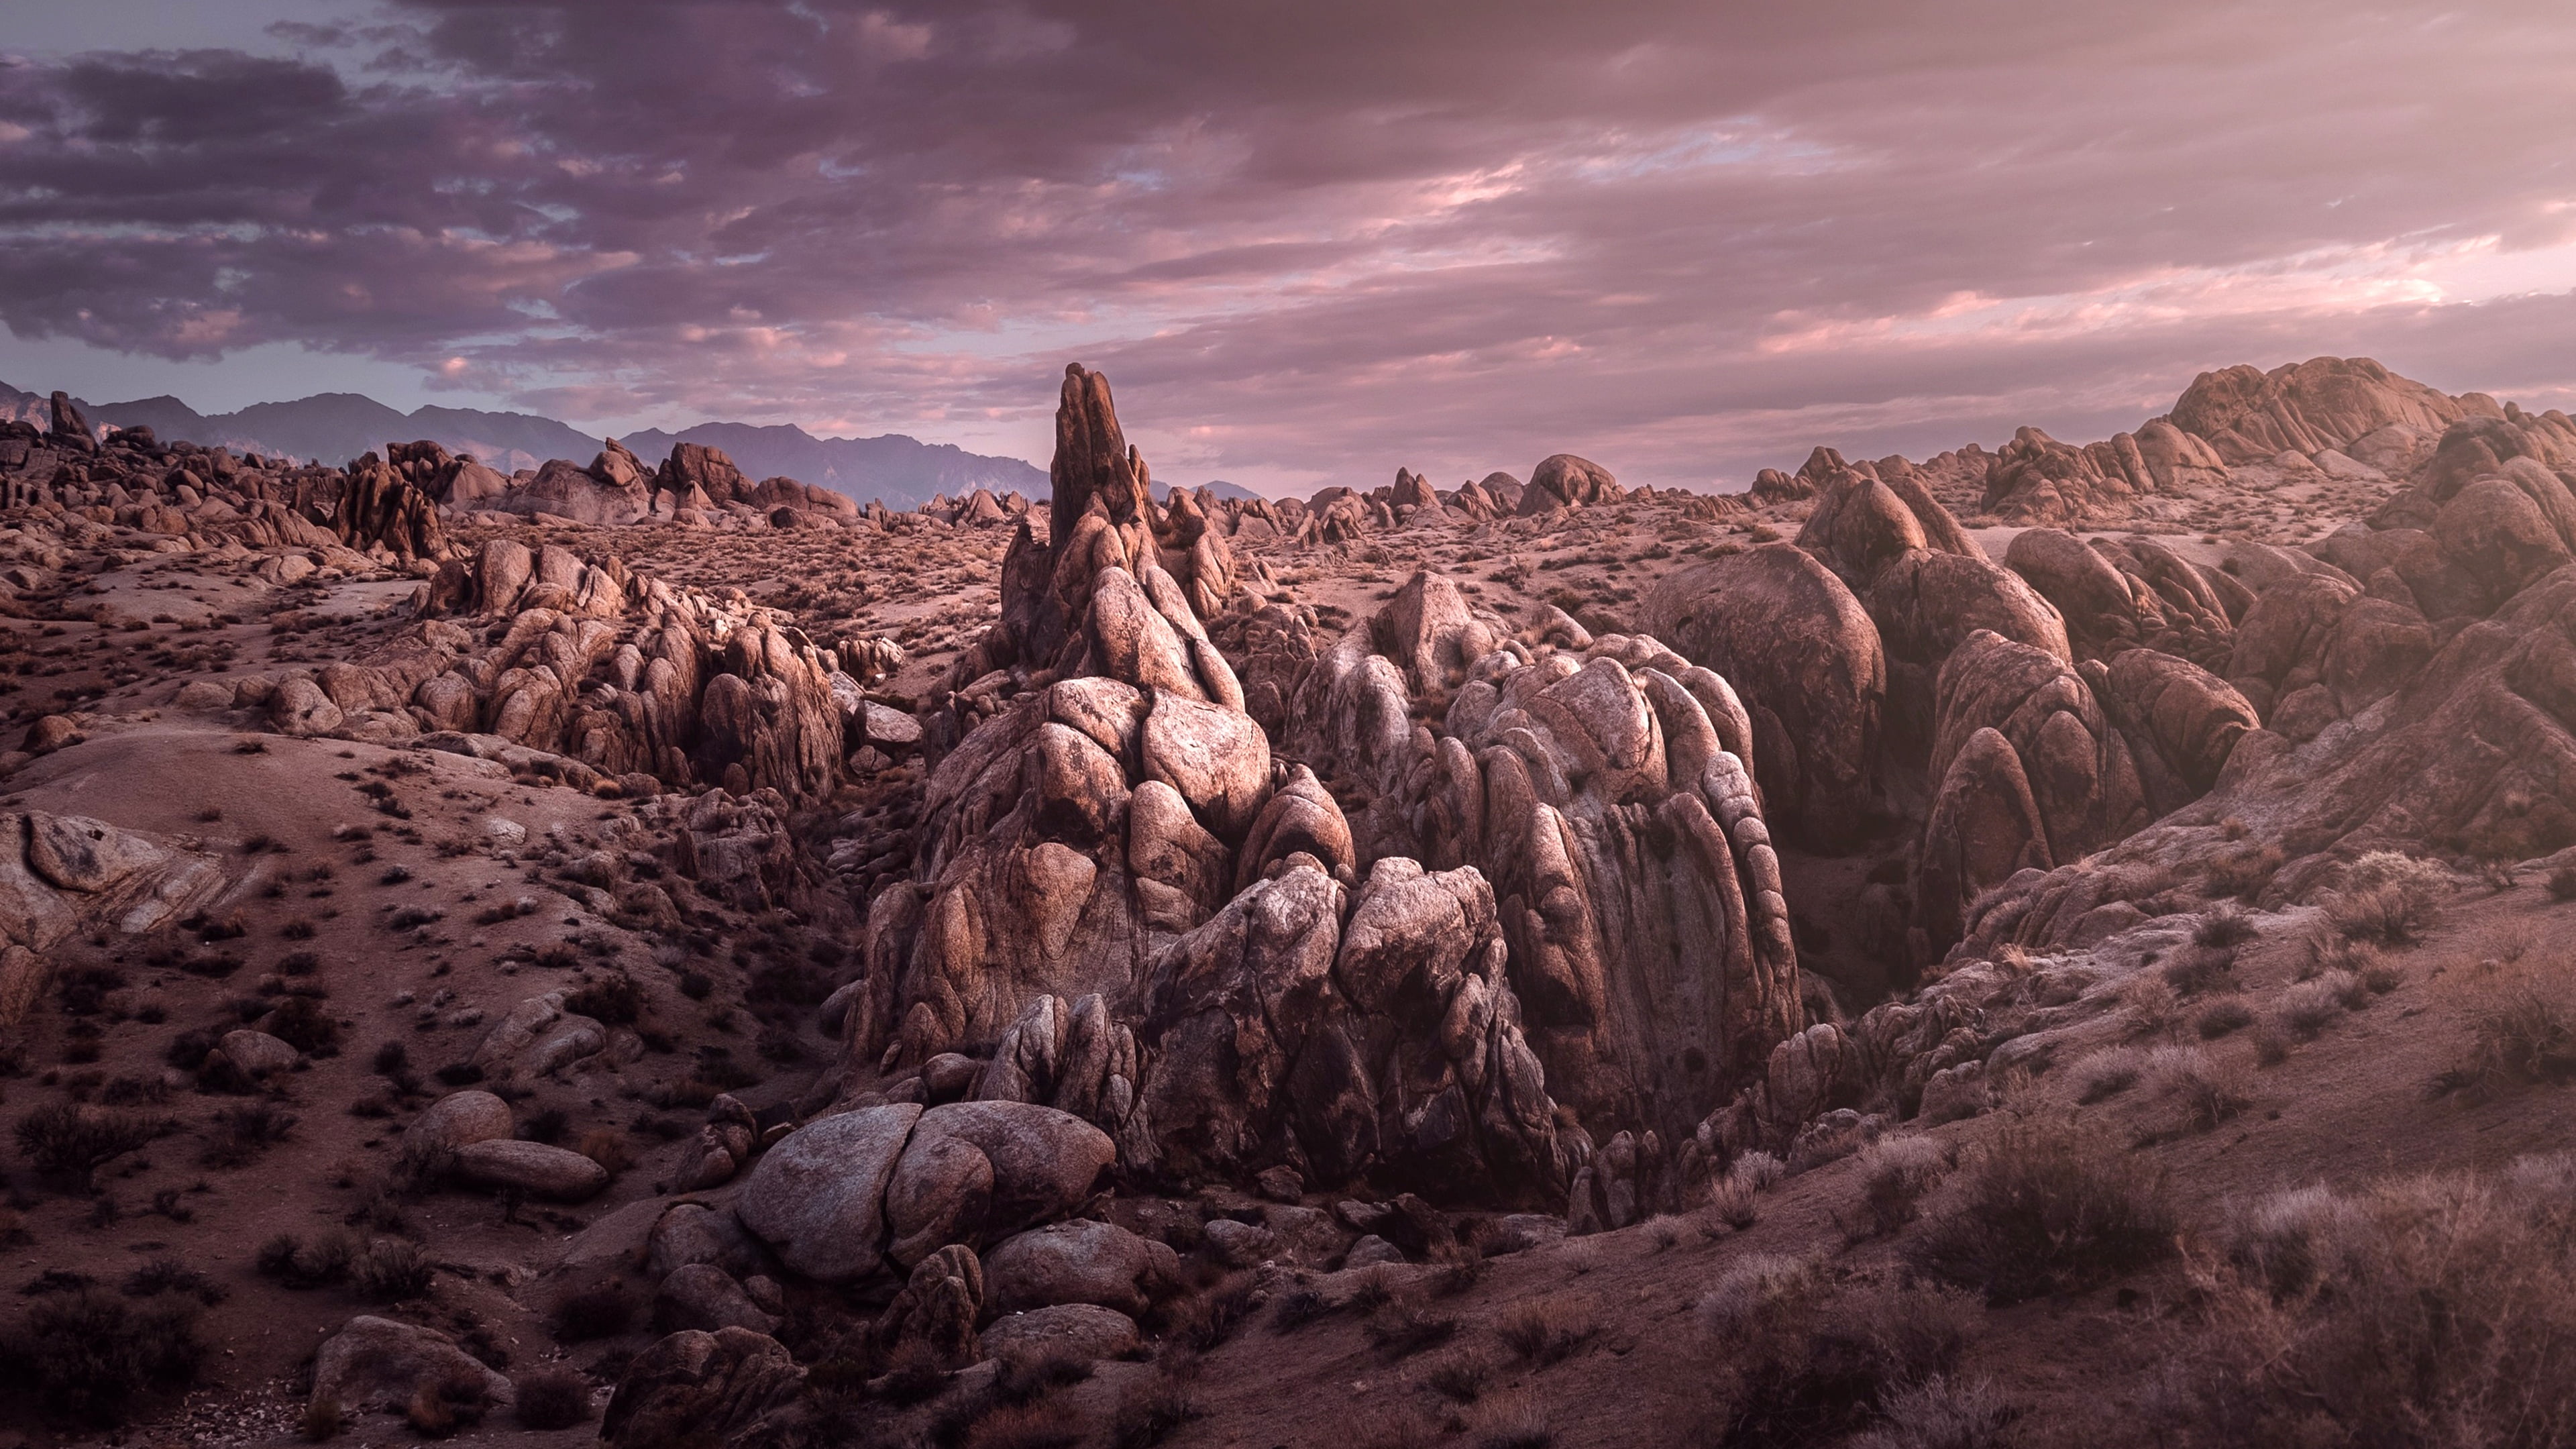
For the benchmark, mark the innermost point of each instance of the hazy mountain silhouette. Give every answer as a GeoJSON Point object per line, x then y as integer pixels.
{"type": "Point", "coordinates": [337, 426]}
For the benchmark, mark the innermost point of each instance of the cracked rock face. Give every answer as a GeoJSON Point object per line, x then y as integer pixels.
{"type": "Point", "coordinates": [1130, 909]}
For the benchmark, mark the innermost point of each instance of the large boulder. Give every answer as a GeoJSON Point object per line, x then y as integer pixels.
{"type": "Point", "coordinates": [1084, 1332]}
{"type": "Point", "coordinates": [974, 1172]}
{"type": "Point", "coordinates": [1081, 1261]}
{"type": "Point", "coordinates": [700, 1387]}
{"type": "Point", "coordinates": [936, 1313]}
{"type": "Point", "coordinates": [2249, 416]}
{"type": "Point", "coordinates": [376, 1362]}
{"type": "Point", "coordinates": [534, 1168]}
{"type": "Point", "coordinates": [1805, 658]}
{"type": "Point", "coordinates": [818, 1195]}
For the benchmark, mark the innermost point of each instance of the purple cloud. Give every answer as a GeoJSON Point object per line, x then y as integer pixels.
{"type": "Point", "coordinates": [1314, 243]}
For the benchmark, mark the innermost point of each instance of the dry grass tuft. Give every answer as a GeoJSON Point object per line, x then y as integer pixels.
{"type": "Point", "coordinates": [2429, 1310]}
{"type": "Point", "coordinates": [2045, 1208]}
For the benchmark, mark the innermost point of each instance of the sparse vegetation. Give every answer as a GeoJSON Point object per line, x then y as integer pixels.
{"type": "Point", "coordinates": [1545, 1331]}
{"type": "Point", "coordinates": [69, 1142]}
{"type": "Point", "coordinates": [602, 1312]}
{"type": "Point", "coordinates": [2522, 1029]}
{"type": "Point", "coordinates": [2424, 1310]}
{"type": "Point", "coordinates": [90, 1355]}
{"type": "Point", "coordinates": [554, 1397]}
{"type": "Point", "coordinates": [2045, 1208]}
{"type": "Point", "coordinates": [2209, 1088]}
{"type": "Point", "coordinates": [1895, 1174]}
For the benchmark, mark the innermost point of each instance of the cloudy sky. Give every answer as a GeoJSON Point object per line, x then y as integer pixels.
{"type": "Point", "coordinates": [1309, 243]}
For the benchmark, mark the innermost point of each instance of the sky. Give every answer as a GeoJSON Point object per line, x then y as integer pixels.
{"type": "Point", "coordinates": [1308, 243]}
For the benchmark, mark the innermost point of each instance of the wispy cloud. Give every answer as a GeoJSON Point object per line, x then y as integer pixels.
{"type": "Point", "coordinates": [1313, 243]}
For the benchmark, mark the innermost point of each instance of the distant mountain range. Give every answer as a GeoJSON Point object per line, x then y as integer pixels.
{"type": "Point", "coordinates": [335, 427]}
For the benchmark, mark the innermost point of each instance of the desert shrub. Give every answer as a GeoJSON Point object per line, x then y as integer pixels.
{"type": "Point", "coordinates": [2045, 1209]}
{"type": "Point", "coordinates": [89, 1355]}
{"type": "Point", "coordinates": [2522, 1029]}
{"type": "Point", "coordinates": [1546, 1331]}
{"type": "Point", "coordinates": [2309, 1007]}
{"type": "Point", "coordinates": [2271, 1044]}
{"type": "Point", "coordinates": [1750, 1288]}
{"type": "Point", "coordinates": [1023, 1426]}
{"type": "Point", "coordinates": [607, 1147]}
{"type": "Point", "coordinates": [1460, 1275]}
{"type": "Point", "coordinates": [1516, 1420]}
{"type": "Point", "coordinates": [439, 1410]}
{"type": "Point", "coordinates": [1027, 1378]}
{"type": "Point", "coordinates": [1151, 1411]}
{"type": "Point", "coordinates": [67, 1141]}
{"type": "Point", "coordinates": [614, 1000]}
{"type": "Point", "coordinates": [1757, 1170]}
{"type": "Point", "coordinates": [302, 1023]}
{"type": "Point", "coordinates": [1942, 1412]}
{"type": "Point", "coordinates": [1805, 1361]}
{"type": "Point", "coordinates": [2152, 1003]}
{"type": "Point", "coordinates": [2424, 1310]}
{"type": "Point", "coordinates": [298, 1264]}
{"type": "Point", "coordinates": [187, 1051]}
{"type": "Point", "coordinates": [2210, 1089]}
{"type": "Point", "coordinates": [1895, 1173]}
{"type": "Point", "coordinates": [1296, 1308]}
{"type": "Point", "coordinates": [2220, 1017]}
{"type": "Point", "coordinates": [1460, 1380]}
{"type": "Point", "coordinates": [2107, 1074]}
{"type": "Point", "coordinates": [2222, 928]}
{"type": "Point", "coordinates": [554, 1397]}
{"type": "Point", "coordinates": [391, 1271]}
{"type": "Point", "coordinates": [2327, 950]}
{"type": "Point", "coordinates": [1731, 1207]}
{"type": "Point", "coordinates": [1205, 1322]}
{"type": "Point", "coordinates": [602, 1312]}
{"type": "Point", "coordinates": [2242, 873]}
{"type": "Point", "coordinates": [1374, 1291]}
{"type": "Point", "coordinates": [2387, 898]}
{"type": "Point", "coordinates": [1401, 1332]}
{"type": "Point", "coordinates": [169, 1275]}
{"type": "Point", "coordinates": [390, 1057]}
{"type": "Point", "coordinates": [2195, 969]}
{"type": "Point", "coordinates": [240, 1134]}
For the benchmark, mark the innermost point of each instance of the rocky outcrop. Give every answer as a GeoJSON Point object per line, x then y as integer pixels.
{"type": "Point", "coordinates": [1548, 774]}
{"type": "Point", "coordinates": [382, 509]}
{"type": "Point", "coordinates": [64, 874]}
{"type": "Point", "coordinates": [1796, 646]}
{"type": "Point", "coordinates": [376, 1362]}
{"type": "Point", "coordinates": [2248, 415]}
{"type": "Point", "coordinates": [1563, 480]}
{"type": "Point", "coordinates": [696, 1386]}
{"type": "Point", "coordinates": [2028, 772]}
{"type": "Point", "coordinates": [841, 1196]}
{"type": "Point", "coordinates": [2131, 594]}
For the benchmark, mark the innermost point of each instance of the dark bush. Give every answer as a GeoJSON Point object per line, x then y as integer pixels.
{"type": "Point", "coordinates": [66, 1141]}
{"type": "Point", "coordinates": [89, 1355]}
{"type": "Point", "coordinates": [240, 1134]}
{"type": "Point", "coordinates": [613, 1000]}
{"type": "Point", "coordinates": [391, 1271]}
{"type": "Point", "coordinates": [555, 1397]}
{"type": "Point", "coordinates": [302, 1023]}
{"type": "Point", "coordinates": [2046, 1210]}
{"type": "Point", "coordinates": [602, 1312]}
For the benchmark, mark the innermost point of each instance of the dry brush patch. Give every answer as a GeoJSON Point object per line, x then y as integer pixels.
{"type": "Point", "coordinates": [2437, 1310]}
